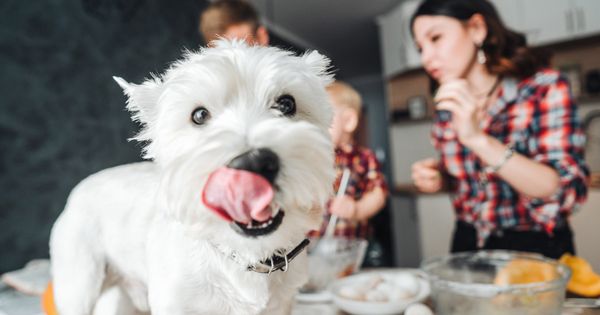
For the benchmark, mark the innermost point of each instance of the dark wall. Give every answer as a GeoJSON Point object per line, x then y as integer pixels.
{"type": "Point", "coordinates": [62, 116]}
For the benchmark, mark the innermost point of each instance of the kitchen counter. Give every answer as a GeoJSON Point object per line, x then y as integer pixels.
{"type": "Point", "coordinates": [14, 303]}
{"type": "Point", "coordinates": [331, 309]}
{"type": "Point", "coordinates": [316, 309]}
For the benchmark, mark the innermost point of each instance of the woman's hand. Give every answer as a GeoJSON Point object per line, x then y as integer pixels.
{"type": "Point", "coordinates": [343, 207]}
{"type": "Point", "coordinates": [426, 176]}
{"type": "Point", "coordinates": [467, 112]}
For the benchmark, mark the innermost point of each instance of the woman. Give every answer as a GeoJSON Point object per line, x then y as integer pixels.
{"type": "Point", "coordinates": [506, 128]}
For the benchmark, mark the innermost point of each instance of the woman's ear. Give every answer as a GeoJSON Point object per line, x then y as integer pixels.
{"type": "Point", "coordinates": [477, 28]}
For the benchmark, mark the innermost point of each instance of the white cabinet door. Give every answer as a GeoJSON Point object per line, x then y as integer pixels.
{"type": "Point", "coordinates": [413, 58]}
{"type": "Point", "coordinates": [398, 50]}
{"type": "Point", "coordinates": [392, 52]}
{"type": "Point", "coordinates": [547, 21]}
{"type": "Point", "coordinates": [509, 12]}
{"type": "Point", "coordinates": [587, 17]}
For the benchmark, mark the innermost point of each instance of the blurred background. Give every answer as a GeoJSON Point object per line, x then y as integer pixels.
{"type": "Point", "coordinates": [62, 117]}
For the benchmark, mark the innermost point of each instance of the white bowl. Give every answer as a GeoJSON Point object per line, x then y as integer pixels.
{"type": "Point", "coordinates": [378, 308]}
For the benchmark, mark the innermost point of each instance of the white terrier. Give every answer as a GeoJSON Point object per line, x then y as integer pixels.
{"type": "Point", "coordinates": [242, 165]}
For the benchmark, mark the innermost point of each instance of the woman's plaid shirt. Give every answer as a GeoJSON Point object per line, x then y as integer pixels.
{"type": "Point", "coordinates": [538, 118]}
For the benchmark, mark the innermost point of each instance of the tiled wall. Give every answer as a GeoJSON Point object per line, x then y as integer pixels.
{"type": "Point", "coordinates": [62, 117]}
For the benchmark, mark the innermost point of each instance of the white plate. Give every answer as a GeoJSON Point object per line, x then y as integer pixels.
{"type": "Point", "coordinates": [378, 308]}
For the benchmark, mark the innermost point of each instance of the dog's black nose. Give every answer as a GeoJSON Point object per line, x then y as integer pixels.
{"type": "Point", "coordinates": [260, 161]}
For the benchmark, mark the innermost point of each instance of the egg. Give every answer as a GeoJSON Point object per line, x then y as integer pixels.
{"type": "Point", "coordinates": [352, 292]}
{"type": "Point", "coordinates": [373, 282]}
{"type": "Point", "coordinates": [398, 294]}
{"type": "Point", "coordinates": [376, 296]}
{"type": "Point", "coordinates": [384, 286]}
{"type": "Point", "coordinates": [418, 309]}
{"type": "Point", "coordinates": [407, 282]}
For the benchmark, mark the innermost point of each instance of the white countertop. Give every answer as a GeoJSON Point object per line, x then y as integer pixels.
{"type": "Point", "coordinates": [15, 303]}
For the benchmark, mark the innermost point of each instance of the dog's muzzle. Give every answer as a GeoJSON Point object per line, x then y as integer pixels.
{"type": "Point", "coordinates": [242, 193]}
{"type": "Point", "coordinates": [262, 161]}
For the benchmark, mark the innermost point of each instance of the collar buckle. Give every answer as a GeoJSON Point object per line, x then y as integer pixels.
{"type": "Point", "coordinates": [279, 262]}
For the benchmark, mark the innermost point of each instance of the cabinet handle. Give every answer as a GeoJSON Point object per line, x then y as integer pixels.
{"type": "Point", "coordinates": [581, 19]}
{"type": "Point", "coordinates": [569, 17]}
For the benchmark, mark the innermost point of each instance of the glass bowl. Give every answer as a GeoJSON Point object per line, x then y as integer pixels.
{"type": "Point", "coordinates": [496, 282]}
{"type": "Point", "coordinates": [330, 259]}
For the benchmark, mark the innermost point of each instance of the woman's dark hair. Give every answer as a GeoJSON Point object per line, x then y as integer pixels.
{"type": "Point", "coordinates": [506, 50]}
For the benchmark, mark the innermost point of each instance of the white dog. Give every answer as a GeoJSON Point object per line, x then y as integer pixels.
{"type": "Point", "coordinates": [242, 165]}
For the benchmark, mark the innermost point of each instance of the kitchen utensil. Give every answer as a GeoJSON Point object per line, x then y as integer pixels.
{"type": "Point", "coordinates": [332, 257]}
{"type": "Point", "coordinates": [464, 284]}
{"type": "Point", "coordinates": [327, 243]}
{"type": "Point", "coordinates": [341, 191]}
{"type": "Point", "coordinates": [345, 256]}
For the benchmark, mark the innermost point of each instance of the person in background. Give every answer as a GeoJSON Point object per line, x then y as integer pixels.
{"type": "Point", "coordinates": [366, 190]}
{"type": "Point", "coordinates": [506, 127]}
{"type": "Point", "coordinates": [232, 19]}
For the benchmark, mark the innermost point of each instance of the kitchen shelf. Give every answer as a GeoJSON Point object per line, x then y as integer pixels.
{"type": "Point", "coordinates": [588, 100]}
{"type": "Point", "coordinates": [595, 180]}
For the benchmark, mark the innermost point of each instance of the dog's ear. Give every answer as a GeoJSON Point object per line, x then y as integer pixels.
{"type": "Point", "coordinates": [142, 102]}
{"type": "Point", "coordinates": [319, 65]}
{"type": "Point", "coordinates": [142, 98]}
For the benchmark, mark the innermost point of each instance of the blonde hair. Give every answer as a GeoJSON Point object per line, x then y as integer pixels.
{"type": "Point", "coordinates": [345, 95]}
{"type": "Point", "coordinates": [221, 14]}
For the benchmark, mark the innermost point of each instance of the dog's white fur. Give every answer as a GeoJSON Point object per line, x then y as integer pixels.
{"type": "Point", "coordinates": [143, 227]}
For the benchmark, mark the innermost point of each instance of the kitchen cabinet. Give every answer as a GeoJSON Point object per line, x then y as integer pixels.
{"type": "Point", "coordinates": [413, 57]}
{"type": "Point", "coordinates": [398, 50]}
{"type": "Point", "coordinates": [586, 13]}
{"type": "Point", "coordinates": [561, 20]}
{"type": "Point", "coordinates": [509, 11]}
{"type": "Point", "coordinates": [405, 231]}
{"type": "Point", "coordinates": [391, 46]}
{"type": "Point", "coordinates": [546, 21]}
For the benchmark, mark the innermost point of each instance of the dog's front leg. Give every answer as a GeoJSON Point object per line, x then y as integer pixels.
{"type": "Point", "coordinates": [164, 303]}
{"type": "Point", "coordinates": [282, 299]}
{"type": "Point", "coordinates": [166, 270]}
{"type": "Point", "coordinates": [165, 295]}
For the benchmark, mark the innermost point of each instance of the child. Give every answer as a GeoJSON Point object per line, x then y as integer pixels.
{"type": "Point", "coordinates": [366, 191]}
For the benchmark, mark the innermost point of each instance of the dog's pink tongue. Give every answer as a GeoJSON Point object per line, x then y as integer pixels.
{"type": "Point", "coordinates": [238, 195]}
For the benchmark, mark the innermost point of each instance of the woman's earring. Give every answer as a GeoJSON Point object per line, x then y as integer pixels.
{"type": "Point", "coordinates": [481, 58]}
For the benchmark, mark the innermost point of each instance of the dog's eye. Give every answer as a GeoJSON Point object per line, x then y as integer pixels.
{"type": "Point", "coordinates": [200, 115]}
{"type": "Point", "coordinates": [286, 104]}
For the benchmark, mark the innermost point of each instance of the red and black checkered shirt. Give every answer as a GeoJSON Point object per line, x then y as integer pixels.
{"type": "Point", "coordinates": [365, 175]}
{"type": "Point", "coordinates": [538, 118]}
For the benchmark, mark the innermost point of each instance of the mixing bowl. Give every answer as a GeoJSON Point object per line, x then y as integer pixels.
{"type": "Point", "coordinates": [496, 282]}
{"type": "Point", "coordinates": [332, 258]}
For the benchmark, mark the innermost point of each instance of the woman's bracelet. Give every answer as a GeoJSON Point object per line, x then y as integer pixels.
{"type": "Point", "coordinates": [508, 153]}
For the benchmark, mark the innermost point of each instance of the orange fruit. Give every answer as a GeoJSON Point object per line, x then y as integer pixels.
{"type": "Point", "coordinates": [584, 281]}
{"type": "Point", "coordinates": [48, 301]}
